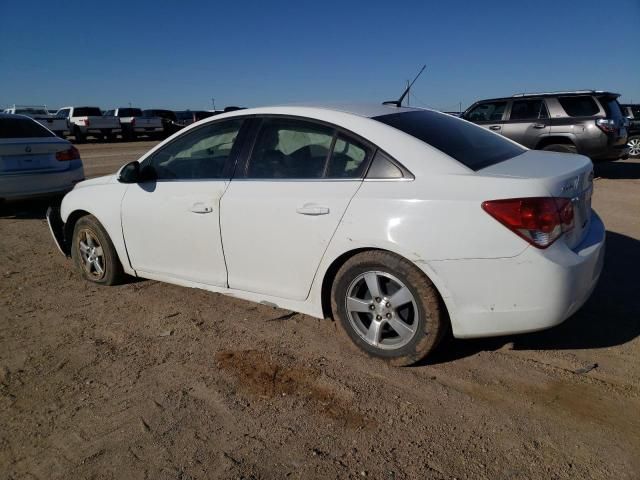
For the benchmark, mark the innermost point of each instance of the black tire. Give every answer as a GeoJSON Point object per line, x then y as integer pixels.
{"type": "Point", "coordinates": [80, 137]}
{"type": "Point", "coordinates": [634, 143]}
{"type": "Point", "coordinates": [561, 147]}
{"type": "Point", "coordinates": [425, 314]}
{"type": "Point", "coordinates": [112, 272]}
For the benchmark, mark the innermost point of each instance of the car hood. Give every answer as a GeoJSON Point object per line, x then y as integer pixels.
{"type": "Point", "coordinates": [96, 181]}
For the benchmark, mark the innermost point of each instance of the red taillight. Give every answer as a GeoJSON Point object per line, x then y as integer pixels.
{"type": "Point", "coordinates": [606, 125]}
{"type": "Point", "coordinates": [86, 122]}
{"type": "Point", "coordinates": [67, 155]}
{"type": "Point", "coordinates": [539, 220]}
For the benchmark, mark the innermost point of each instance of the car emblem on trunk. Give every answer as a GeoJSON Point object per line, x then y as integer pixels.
{"type": "Point", "coordinates": [28, 149]}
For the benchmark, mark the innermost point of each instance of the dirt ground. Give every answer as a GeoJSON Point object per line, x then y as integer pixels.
{"type": "Point", "coordinates": [153, 381]}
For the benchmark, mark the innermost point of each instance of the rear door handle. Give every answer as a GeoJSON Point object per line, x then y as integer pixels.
{"type": "Point", "coordinates": [495, 127]}
{"type": "Point", "coordinates": [312, 209]}
{"type": "Point", "coordinates": [539, 125]}
{"type": "Point", "coordinates": [200, 207]}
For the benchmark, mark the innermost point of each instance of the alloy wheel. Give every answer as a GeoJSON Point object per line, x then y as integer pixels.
{"type": "Point", "coordinates": [634, 147]}
{"type": "Point", "coordinates": [92, 254]}
{"type": "Point", "coordinates": [382, 310]}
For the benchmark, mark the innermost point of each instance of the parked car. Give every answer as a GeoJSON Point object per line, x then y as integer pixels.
{"type": "Point", "coordinates": [33, 160]}
{"type": "Point", "coordinates": [588, 122]}
{"type": "Point", "coordinates": [401, 223]}
{"type": "Point", "coordinates": [40, 114]}
{"type": "Point", "coordinates": [135, 123]}
{"type": "Point", "coordinates": [632, 113]}
{"type": "Point", "coordinates": [187, 117]}
{"type": "Point", "coordinates": [85, 121]}
{"type": "Point", "coordinates": [169, 120]}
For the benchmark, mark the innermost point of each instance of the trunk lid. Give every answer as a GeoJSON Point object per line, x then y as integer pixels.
{"type": "Point", "coordinates": [561, 175]}
{"type": "Point", "coordinates": [22, 155]}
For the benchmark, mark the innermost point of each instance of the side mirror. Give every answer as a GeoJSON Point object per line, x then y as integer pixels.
{"type": "Point", "coordinates": [130, 173]}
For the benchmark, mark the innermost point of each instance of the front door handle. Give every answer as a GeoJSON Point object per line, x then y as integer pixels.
{"type": "Point", "coordinates": [200, 207]}
{"type": "Point", "coordinates": [495, 127]}
{"type": "Point", "coordinates": [312, 209]}
{"type": "Point", "coordinates": [538, 125]}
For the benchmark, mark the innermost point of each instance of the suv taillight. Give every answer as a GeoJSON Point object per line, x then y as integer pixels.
{"type": "Point", "coordinates": [539, 220]}
{"type": "Point", "coordinates": [606, 125]}
{"type": "Point", "coordinates": [67, 155]}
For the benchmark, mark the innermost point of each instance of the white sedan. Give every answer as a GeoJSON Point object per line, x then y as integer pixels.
{"type": "Point", "coordinates": [33, 161]}
{"type": "Point", "coordinates": [399, 223]}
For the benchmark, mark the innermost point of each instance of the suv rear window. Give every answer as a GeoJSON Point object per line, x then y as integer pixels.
{"type": "Point", "coordinates": [87, 112]}
{"type": "Point", "coordinates": [22, 128]}
{"type": "Point", "coordinates": [611, 107]}
{"type": "Point", "coordinates": [469, 144]}
{"type": "Point", "coordinates": [579, 106]}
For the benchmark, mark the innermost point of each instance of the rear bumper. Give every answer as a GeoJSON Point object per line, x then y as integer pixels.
{"type": "Point", "coordinates": [535, 290]}
{"type": "Point", "coordinates": [28, 185]}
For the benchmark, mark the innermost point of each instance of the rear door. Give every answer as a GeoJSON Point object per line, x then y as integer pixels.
{"type": "Point", "coordinates": [285, 203]}
{"type": "Point", "coordinates": [489, 114]}
{"type": "Point", "coordinates": [528, 121]}
{"type": "Point", "coordinates": [171, 222]}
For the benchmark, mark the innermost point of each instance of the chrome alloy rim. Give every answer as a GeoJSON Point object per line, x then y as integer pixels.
{"type": "Point", "coordinates": [91, 253]}
{"type": "Point", "coordinates": [382, 310]}
{"type": "Point", "coordinates": [634, 147]}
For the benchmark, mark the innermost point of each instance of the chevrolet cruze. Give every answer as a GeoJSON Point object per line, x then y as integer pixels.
{"type": "Point", "coordinates": [400, 223]}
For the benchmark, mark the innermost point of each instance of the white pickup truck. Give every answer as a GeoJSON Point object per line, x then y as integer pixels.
{"type": "Point", "coordinates": [40, 114]}
{"type": "Point", "coordinates": [85, 121]}
{"type": "Point", "coordinates": [135, 123]}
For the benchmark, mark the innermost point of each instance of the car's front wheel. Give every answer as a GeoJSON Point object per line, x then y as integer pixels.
{"type": "Point", "coordinates": [94, 254]}
{"type": "Point", "coordinates": [388, 307]}
{"type": "Point", "coordinates": [634, 146]}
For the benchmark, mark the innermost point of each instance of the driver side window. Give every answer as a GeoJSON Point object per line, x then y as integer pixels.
{"type": "Point", "coordinates": [199, 154]}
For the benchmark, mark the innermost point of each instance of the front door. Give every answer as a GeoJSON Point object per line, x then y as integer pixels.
{"type": "Point", "coordinates": [488, 115]}
{"type": "Point", "coordinates": [171, 222]}
{"type": "Point", "coordinates": [280, 213]}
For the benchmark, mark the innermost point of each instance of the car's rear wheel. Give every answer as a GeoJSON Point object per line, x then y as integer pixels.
{"type": "Point", "coordinates": [634, 146]}
{"type": "Point", "coordinates": [388, 307]}
{"type": "Point", "coordinates": [561, 147]}
{"type": "Point", "coordinates": [94, 254]}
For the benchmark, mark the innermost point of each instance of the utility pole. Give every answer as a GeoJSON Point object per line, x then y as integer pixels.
{"type": "Point", "coordinates": [459, 107]}
{"type": "Point", "coordinates": [213, 102]}
{"type": "Point", "coordinates": [129, 104]}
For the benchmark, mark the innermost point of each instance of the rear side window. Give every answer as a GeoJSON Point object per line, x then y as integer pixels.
{"type": "Point", "coordinates": [579, 106]}
{"type": "Point", "coordinates": [611, 107]}
{"type": "Point", "coordinates": [487, 112]}
{"type": "Point", "coordinates": [470, 145]}
{"type": "Point", "coordinates": [347, 159]}
{"type": "Point", "coordinates": [87, 112]}
{"type": "Point", "coordinates": [528, 110]}
{"type": "Point", "coordinates": [22, 128]}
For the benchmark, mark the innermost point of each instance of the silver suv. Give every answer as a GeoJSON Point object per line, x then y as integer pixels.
{"type": "Point", "coordinates": [589, 122]}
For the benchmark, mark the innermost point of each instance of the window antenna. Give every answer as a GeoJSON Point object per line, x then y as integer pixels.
{"type": "Point", "coordinates": [398, 103]}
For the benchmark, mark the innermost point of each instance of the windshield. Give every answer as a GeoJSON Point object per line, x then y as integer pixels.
{"type": "Point", "coordinates": [465, 142]}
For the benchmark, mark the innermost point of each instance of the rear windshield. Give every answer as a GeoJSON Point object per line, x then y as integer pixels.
{"type": "Point", "coordinates": [469, 144]}
{"type": "Point", "coordinates": [579, 106]}
{"type": "Point", "coordinates": [31, 111]}
{"type": "Point", "coordinates": [87, 112]}
{"type": "Point", "coordinates": [129, 112]}
{"type": "Point", "coordinates": [22, 128]}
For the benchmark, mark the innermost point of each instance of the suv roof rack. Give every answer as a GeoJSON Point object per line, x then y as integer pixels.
{"type": "Point", "coordinates": [568, 92]}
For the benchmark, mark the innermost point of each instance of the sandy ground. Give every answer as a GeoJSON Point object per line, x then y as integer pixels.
{"type": "Point", "coordinates": [153, 381]}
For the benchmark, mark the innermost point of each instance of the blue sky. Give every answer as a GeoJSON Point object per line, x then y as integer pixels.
{"type": "Point", "coordinates": [181, 54]}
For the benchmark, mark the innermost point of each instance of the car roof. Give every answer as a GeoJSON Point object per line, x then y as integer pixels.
{"type": "Point", "coordinates": [550, 94]}
{"type": "Point", "coordinates": [367, 110]}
